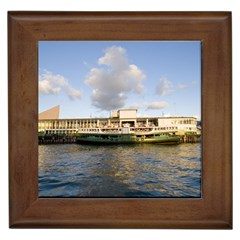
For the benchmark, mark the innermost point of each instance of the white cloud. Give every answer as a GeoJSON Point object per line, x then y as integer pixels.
{"type": "Point", "coordinates": [182, 86]}
{"type": "Point", "coordinates": [114, 79]}
{"type": "Point", "coordinates": [46, 87]}
{"type": "Point", "coordinates": [157, 105]}
{"type": "Point", "coordinates": [114, 57]}
{"type": "Point", "coordinates": [164, 87]}
{"type": "Point", "coordinates": [137, 105]}
{"type": "Point", "coordinates": [72, 93]}
{"type": "Point", "coordinates": [151, 105]}
{"type": "Point", "coordinates": [107, 101]}
{"type": "Point", "coordinates": [52, 84]}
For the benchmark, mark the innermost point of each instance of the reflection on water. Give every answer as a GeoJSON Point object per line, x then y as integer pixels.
{"type": "Point", "coordinates": [145, 170]}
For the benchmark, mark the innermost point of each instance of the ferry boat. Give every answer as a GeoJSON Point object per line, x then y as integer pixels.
{"type": "Point", "coordinates": [126, 134]}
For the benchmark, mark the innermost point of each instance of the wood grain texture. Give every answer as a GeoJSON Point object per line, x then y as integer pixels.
{"type": "Point", "coordinates": [213, 210]}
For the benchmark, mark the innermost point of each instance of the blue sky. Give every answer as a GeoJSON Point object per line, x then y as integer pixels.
{"type": "Point", "coordinates": [91, 78]}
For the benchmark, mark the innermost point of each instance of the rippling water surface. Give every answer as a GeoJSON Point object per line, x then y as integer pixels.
{"type": "Point", "coordinates": [145, 170]}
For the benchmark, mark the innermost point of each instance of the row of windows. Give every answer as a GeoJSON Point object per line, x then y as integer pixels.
{"type": "Point", "coordinates": [60, 131]}
{"type": "Point", "coordinates": [186, 121]}
{"type": "Point", "coordinates": [77, 124]}
{"type": "Point", "coordinates": [131, 129]}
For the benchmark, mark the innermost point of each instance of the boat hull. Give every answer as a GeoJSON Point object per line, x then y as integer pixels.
{"type": "Point", "coordinates": [127, 139]}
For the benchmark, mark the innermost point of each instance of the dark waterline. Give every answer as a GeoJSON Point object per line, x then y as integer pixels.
{"type": "Point", "coordinates": [144, 170]}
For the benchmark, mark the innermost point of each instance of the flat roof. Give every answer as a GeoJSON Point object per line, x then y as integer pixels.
{"type": "Point", "coordinates": [141, 118]}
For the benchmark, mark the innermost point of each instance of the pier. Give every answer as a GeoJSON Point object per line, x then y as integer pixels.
{"type": "Point", "coordinates": [56, 139]}
{"type": "Point", "coordinates": [53, 130]}
{"type": "Point", "coordinates": [194, 138]}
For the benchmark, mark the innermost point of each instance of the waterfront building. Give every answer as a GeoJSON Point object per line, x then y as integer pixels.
{"type": "Point", "coordinates": [52, 113]}
{"type": "Point", "coordinates": [50, 123]}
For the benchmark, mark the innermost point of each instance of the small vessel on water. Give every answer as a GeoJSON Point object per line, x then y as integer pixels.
{"type": "Point", "coordinates": [126, 134]}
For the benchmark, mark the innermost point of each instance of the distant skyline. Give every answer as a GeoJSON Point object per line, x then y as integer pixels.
{"type": "Point", "coordinates": [92, 78]}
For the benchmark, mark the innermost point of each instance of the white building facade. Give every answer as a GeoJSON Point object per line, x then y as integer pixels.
{"type": "Point", "coordinates": [118, 119]}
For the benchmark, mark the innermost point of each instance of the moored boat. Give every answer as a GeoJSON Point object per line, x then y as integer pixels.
{"type": "Point", "coordinates": [127, 135]}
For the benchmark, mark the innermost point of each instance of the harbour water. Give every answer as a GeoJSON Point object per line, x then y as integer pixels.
{"type": "Point", "coordinates": [144, 170]}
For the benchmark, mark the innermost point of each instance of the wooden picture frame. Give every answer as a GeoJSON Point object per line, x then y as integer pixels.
{"type": "Point", "coordinates": [213, 210]}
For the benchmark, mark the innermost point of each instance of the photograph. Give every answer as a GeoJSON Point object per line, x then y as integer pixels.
{"type": "Point", "coordinates": [119, 119]}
